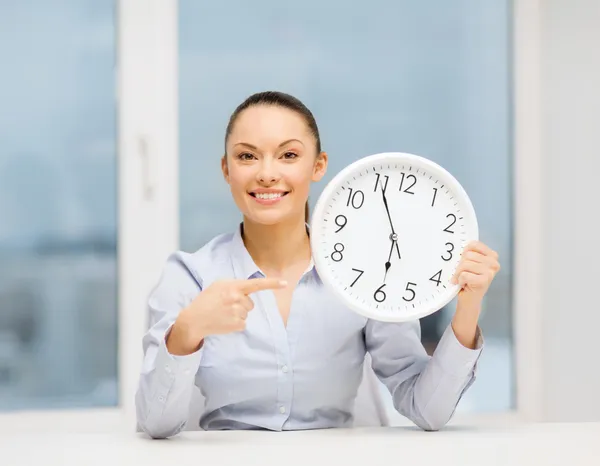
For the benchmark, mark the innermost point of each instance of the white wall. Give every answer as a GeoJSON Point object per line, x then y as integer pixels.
{"type": "Point", "coordinates": [571, 146]}
{"type": "Point", "coordinates": [557, 202]}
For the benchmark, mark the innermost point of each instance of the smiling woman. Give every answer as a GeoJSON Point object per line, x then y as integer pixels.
{"type": "Point", "coordinates": [298, 362]}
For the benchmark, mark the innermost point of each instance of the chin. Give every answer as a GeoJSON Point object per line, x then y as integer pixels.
{"type": "Point", "coordinates": [268, 217]}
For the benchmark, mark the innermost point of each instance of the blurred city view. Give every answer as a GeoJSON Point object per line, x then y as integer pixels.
{"type": "Point", "coordinates": [430, 78]}
{"type": "Point", "coordinates": [58, 211]}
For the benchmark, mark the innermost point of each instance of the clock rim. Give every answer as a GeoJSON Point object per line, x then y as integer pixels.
{"type": "Point", "coordinates": [319, 211]}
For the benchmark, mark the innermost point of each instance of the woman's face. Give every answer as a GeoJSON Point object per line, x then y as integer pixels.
{"type": "Point", "coordinates": [270, 163]}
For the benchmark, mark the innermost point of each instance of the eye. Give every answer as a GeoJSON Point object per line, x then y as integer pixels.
{"type": "Point", "coordinates": [290, 155]}
{"type": "Point", "coordinates": [246, 156]}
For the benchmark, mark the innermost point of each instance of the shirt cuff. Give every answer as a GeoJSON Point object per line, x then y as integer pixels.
{"type": "Point", "coordinates": [173, 367]}
{"type": "Point", "coordinates": [455, 358]}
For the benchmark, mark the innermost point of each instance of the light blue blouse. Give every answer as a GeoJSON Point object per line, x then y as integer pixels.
{"type": "Point", "coordinates": [301, 376]}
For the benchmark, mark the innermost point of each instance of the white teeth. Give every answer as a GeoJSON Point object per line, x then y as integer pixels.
{"type": "Point", "coordinates": [268, 195]}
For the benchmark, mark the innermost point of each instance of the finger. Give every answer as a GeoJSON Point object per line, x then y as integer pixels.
{"type": "Point", "coordinates": [238, 325]}
{"type": "Point", "coordinates": [479, 268]}
{"type": "Point", "coordinates": [472, 280]}
{"type": "Point", "coordinates": [474, 256]}
{"type": "Point", "coordinates": [258, 284]}
{"type": "Point", "coordinates": [482, 248]}
{"type": "Point", "coordinates": [493, 264]}
{"type": "Point", "coordinates": [232, 296]}
{"type": "Point", "coordinates": [247, 303]}
{"type": "Point", "coordinates": [476, 268]}
{"type": "Point", "coordinates": [496, 266]}
{"type": "Point", "coordinates": [239, 311]}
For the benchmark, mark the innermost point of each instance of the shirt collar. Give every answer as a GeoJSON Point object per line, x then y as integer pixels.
{"type": "Point", "coordinates": [244, 265]}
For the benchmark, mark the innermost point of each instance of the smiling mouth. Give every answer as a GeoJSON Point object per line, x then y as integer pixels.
{"type": "Point", "coordinates": [269, 196]}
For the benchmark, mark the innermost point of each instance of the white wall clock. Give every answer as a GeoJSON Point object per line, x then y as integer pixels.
{"type": "Point", "coordinates": [387, 234]}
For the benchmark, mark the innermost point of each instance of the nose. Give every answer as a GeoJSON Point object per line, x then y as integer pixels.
{"type": "Point", "coordinates": [267, 172]}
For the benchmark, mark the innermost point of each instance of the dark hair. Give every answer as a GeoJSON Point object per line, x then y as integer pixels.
{"type": "Point", "coordinates": [278, 99]}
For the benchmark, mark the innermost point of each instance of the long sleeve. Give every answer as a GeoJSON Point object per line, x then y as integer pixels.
{"type": "Point", "coordinates": [166, 381]}
{"type": "Point", "coordinates": [425, 389]}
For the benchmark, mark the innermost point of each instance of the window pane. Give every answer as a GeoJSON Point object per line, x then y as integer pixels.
{"type": "Point", "coordinates": [58, 282]}
{"type": "Point", "coordinates": [430, 78]}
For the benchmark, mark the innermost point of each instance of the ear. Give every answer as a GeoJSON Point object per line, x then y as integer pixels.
{"type": "Point", "coordinates": [225, 168]}
{"type": "Point", "coordinates": [320, 167]}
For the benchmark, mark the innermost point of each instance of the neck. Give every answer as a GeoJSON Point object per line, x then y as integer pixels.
{"type": "Point", "coordinates": [275, 248]}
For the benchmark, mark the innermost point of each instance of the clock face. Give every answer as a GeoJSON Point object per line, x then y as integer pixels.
{"type": "Point", "coordinates": [387, 234]}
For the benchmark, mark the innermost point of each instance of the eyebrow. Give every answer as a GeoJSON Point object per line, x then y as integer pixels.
{"type": "Point", "coordinates": [280, 145]}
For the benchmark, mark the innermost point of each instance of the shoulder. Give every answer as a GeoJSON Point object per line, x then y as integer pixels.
{"type": "Point", "coordinates": [210, 259]}
{"type": "Point", "coordinates": [189, 271]}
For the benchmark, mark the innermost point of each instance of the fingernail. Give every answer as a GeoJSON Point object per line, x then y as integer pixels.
{"type": "Point", "coordinates": [283, 282]}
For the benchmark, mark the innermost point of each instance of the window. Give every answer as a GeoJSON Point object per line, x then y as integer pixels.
{"type": "Point", "coordinates": [432, 79]}
{"type": "Point", "coordinates": [58, 276]}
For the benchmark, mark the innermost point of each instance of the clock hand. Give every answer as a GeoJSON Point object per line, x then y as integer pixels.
{"type": "Point", "coordinates": [393, 236]}
{"type": "Point", "coordinates": [387, 208]}
{"type": "Point", "coordinates": [388, 264]}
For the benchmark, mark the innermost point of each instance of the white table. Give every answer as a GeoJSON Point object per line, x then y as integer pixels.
{"type": "Point", "coordinates": [461, 444]}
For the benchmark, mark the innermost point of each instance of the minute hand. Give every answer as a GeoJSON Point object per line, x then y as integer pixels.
{"type": "Point", "coordinates": [387, 210]}
{"type": "Point", "coordinates": [393, 236]}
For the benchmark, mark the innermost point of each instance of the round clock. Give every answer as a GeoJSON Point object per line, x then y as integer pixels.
{"type": "Point", "coordinates": [387, 234]}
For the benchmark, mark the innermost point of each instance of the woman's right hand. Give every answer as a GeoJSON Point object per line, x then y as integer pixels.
{"type": "Point", "coordinates": [221, 308]}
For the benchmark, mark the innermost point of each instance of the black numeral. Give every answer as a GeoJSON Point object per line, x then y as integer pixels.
{"type": "Point", "coordinates": [356, 198]}
{"type": "Point", "coordinates": [453, 222]}
{"type": "Point", "coordinates": [384, 184]}
{"type": "Point", "coordinates": [414, 180]}
{"type": "Point", "coordinates": [408, 288]}
{"type": "Point", "coordinates": [340, 221]}
{"type": "Point", "coordinates": [360, 272]}
{"type": "Point", "coordinates": [379, 294]}
{"type": "Point", "coordinates": [434, 195]}
{"type": "Point", "coordinates": [336, 255]}
{"type": "Point", "coordinates": [437, 278]}
{"type": "Point", "coordinates": [449, 251]}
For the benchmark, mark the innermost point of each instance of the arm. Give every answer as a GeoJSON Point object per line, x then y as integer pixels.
{"type": "Point", "coordinates": [427, 390]}
{"type": "Point", "coordinates": [183, 312]}
{"type": "Point", "coordinates": [167, 377]}
{"type": "Point", "coordinates": [424, 389]}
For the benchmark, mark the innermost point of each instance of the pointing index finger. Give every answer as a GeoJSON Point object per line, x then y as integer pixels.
{"type": "Point", "coordinates": [258, 284]}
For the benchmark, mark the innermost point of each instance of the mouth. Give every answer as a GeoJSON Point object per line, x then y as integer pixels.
{"type": "Point", "coordinates": [268, 198]}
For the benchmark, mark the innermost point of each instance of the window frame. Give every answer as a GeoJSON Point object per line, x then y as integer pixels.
{"type": "Point", "coordinates": [148, 193]}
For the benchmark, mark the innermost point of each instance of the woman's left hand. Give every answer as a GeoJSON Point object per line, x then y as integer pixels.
{"type": "Point", "coordinates": [476, 271]}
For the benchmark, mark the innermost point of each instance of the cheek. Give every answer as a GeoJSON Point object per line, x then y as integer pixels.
{"type": "Point", "coordinates": [239, 178]}
{"type": "Point", "coordinates": [299, 178]}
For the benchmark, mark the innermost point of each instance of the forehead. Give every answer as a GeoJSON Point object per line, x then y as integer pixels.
{"type": "Point", "coordinates": [263, 125]}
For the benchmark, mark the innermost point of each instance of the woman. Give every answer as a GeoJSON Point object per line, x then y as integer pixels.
{"type": "Point", "coordinates": [247, 319]}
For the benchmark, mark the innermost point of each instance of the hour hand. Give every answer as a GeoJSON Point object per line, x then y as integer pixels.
{"type": "Point", "coordinates": [387, 267]}
{"type": "Point", "coordinates": [388, 264]}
